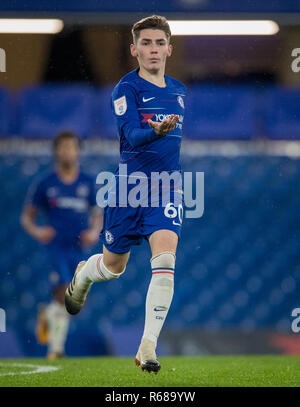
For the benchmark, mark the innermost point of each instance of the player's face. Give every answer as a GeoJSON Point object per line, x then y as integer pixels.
{"type": "Point", "coordinates": [67, 152]}
{"type": "Point", "coordinates": [152, 50]}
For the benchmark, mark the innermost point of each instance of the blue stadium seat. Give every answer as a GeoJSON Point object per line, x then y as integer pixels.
{"type": "Point", "coordinates": [219, 112]}
{"type": "Point", "coordinates": [48, 109]}
{"type": "Point", "coordinates": [6, 112]}
{"type": "Point", "coordinates": [104, 124]}
{"type": "Point", "coordinates": [282, 113]}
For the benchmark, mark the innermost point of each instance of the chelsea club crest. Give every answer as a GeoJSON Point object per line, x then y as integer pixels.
{"type": "Point", "coordinates": [109, 237]}
{"type": "Point", "coordinates": [180, 101]}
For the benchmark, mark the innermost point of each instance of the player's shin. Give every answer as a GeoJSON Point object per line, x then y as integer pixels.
{"type": "Point", "coordinates": [159, 295]}
{"type": "Point", "coordinates": [58, 324]}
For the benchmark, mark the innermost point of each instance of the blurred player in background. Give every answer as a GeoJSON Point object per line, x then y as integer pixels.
{"type": "Point", "coordinates": [67, 197]}
{"type": "Point", "coordinates": [148, 106]}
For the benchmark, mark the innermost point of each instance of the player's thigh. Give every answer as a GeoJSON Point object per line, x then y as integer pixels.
{"type": "Point", "coordinates": [115, 262]}
{"type": "Point", "coordinates": [163, 240]}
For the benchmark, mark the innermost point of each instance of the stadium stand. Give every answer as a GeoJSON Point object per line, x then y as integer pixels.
{"type": "Point", "coordinates": [220, 112]}
{"type": "Point", "coordinates": [282, 110]}
{"type": "Point", "coordinates": [48, 109]}
{"type": "Point", "coordinates": [103, 123]}
{"type": "Point", "coordinates": [213, 112]}
{"type": "Point", "coordinates": [6, 112]}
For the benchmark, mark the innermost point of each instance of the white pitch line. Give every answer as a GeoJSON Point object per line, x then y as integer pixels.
{"type": "Point", "coordinates": [38, 369]}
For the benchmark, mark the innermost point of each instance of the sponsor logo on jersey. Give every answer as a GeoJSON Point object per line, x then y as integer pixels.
{"type": "Point", "coordinates": [120, 105]}
{"type": "Point", "coordinates": [146, 117]}
{"type": "Point", "coordinates": [109, 237]}
{"type": "Point", "coordinates": [51, 192]}
{"type": "Point", "coordinates": [159, 117]}
{"type": "Point", "coordinates": [82, 190]}
{"type": "Point", "coordinates": [70, 202]}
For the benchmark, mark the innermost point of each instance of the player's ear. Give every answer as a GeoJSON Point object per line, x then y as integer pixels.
{"type": "Point", "coordinates": [133, 50]}
{"type": "Point", "coordinates": [170, 50]}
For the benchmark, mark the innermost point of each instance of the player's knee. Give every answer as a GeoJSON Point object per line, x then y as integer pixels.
{"type": "Point", "coordinates": [164, 260]}
{"type": "Point", "coordinates": [118, 270]}
{"type": "Point", "coordinates": [163, 266]}
{"type": "Point", "coordinates": [115, 262]}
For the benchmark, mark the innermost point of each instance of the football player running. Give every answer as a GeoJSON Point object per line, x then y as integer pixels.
{"type": "Point", "coordinates": [67, 197]}
{"type": "Point", "coordinates": [148, 106]}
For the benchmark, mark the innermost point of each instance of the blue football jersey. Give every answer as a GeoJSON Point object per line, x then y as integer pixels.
{"type": "Point", "coordinates": [134, 101]}
{"type": "Point", "coordinates": [66, 206]}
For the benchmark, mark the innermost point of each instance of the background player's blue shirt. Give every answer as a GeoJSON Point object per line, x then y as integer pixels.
{"type": "Point", "coordinates": [134, 101]}
{"type": "Point", "coordinates": [67, 206]}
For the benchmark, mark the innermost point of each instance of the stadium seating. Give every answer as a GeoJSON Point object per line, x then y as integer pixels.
{"type": "Point", "coordinates": [219, 112]}
{"type": "Point", "coordinates": [46, 110]}
{"type": "Point", "coordinates": [213, 112]}
{"type": "Point", "coordinates": [6, 112]}
{"type": "Point", "coordinates": [282, 113]}
{"type": "Point", "coordinates": [237, 266]}
{"type": "Point", "coordinates": [102, 116]}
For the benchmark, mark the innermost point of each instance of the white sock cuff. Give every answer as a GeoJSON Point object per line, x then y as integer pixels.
{"type": "Point", "coordinates": [162, 253]}
{"type": "Point", "coordinates": [163, 263]}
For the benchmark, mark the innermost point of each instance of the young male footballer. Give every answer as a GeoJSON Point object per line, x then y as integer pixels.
{"type": "Point", "coordinates": [148, 106]}
{"type": "Point", "coordinates": [67, 197]}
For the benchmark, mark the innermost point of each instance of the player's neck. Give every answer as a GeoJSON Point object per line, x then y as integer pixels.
{"type": "Point", "coordinates": [66, 173]}
{"type": "Point", "coordinates": [157, 79]}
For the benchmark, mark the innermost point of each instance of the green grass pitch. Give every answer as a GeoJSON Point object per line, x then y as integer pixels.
{"type": "Point", "coordinates": [198, 371]}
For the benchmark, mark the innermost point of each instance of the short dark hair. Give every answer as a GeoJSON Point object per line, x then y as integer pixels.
{"type": "Point", "coordinates": [155, 22]}
{"type": "Point", "coordinates": [65, 135]}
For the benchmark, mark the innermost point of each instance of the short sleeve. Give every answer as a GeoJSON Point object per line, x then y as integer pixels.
{"type": "Point", "coordinates": [36, 195]}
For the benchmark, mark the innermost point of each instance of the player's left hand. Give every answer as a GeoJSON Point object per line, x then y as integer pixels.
{"type": "Point", "coordinates": [89, 237]}
{"type": "Point", "coordinates": [164, 127]}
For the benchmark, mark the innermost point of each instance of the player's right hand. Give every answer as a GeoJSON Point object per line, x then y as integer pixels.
{"type": "Point", "coordinates": [44, 234]}
{"type": "Point", "coordinates": [164, 127]}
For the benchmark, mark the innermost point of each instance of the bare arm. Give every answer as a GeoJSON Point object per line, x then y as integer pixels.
{"type": "Point", "coordinates": [90, 236]}
{"type": "Point", "coordinates": [43, 234]}
{"type": "Point", "coordinates": [96, 220]}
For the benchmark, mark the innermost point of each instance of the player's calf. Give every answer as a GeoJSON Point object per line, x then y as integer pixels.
{"type": "Point", "coordinates": [158, 301]}
{"type": "Point", "coordinates": [57, 322]}
{"type": "Point", "coordinates": [160, 294]}
{"type": "Point", "coordinates": [87, 272]}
